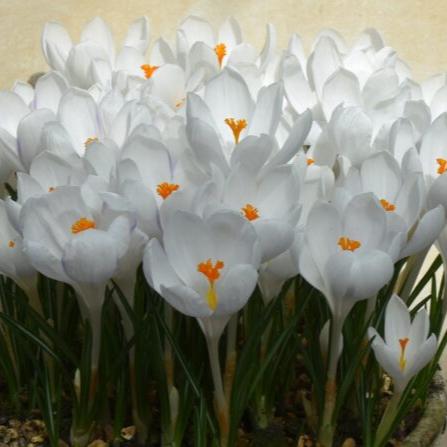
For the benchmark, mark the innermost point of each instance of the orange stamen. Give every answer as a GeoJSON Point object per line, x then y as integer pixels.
{"type": "Point", "coordinates": [51, 189]}
{"type": "Point", "coordinates": [82, 224]}
{"type": "Point", "coordinates": [387, 206]}
{"type": "Point", "coordinates": [212, 272]}
{"type": "Point", "coordinates": [310, 161]}
{"type": "Point", "coordinates": [348, 244]}
{"type": "Point", "coordinates": [403, 345]}
{"type": "Point", "coordinates": [90, 140]}
{"type": "Point", "coordinates": [237, 126]}
{"type": "Point", "coordinates": [442, 165]}
{"type": "Point", "coordinates": [179, 103]}
{"type": "Point", "coordinates": [250, 212]}
{"type": "Point", "coordinates": [165, 189]}
{"type": "Point", "coordinates": [221, 51]}
{"type": "Point", "coordinates": [149, 70]}
{"type": "Point", "coordinates": [11, 244]}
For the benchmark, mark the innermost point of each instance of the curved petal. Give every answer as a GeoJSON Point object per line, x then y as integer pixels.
{"type": "Point", "coordinates": [138, 35]}
{"type": "Point", "coordinates": [427, 230]}
{"type": "Point", "coordinates": [235, 288]}
{"type": "Point", "coordinates": [29, 134]}
{"type": "Point", "coordinates": [12, 110]}
{"type": "Point", "coordinates": [91, 257]}
{"type": "Point", "coordinates": [98, 32]}
{"type": "Point", "coordinates": [56, 45]}
{"type": "Point", "coordinates": [275, 237]}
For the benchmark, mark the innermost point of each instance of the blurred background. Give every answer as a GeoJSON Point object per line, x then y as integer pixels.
{"type": "Point", "coordinates": [415, 28]}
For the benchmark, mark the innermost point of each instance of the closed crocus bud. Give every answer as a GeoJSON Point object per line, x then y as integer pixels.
{"type": "Point", "coordinates": [406, 347]}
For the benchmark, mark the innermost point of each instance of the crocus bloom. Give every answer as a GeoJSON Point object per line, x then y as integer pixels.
{"type": "Point", "coordinates": [406, 347]}
{"type": "Point", "coordinates": [206, 268]}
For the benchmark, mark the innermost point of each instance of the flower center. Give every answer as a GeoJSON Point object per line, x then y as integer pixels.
{"type": "Point", "coordinates": [237, 126]}
{"type": "Point", "coordinates": [89, 141]}
{"type": "Point", "coordinates": [212, 273]}
{"type": "Point", "coordinates": [180, 103]}
{"type": "Point", "coordinates": [149, 70]}
{"type": "Point", "coordinates": [82, 224]}
{"type": "Point", "coordinates": [221, 51]}
{"type": "Point", "coordinates": [442, 165]}
{"type": "Point", "coordinates": [250, 212]}
{"type": "Point", "coordinates": [387, 206]}
{"type": "Point", "coordinates": [11, 244]}
{"type": "Point", "coordinates": [403, 346]}
{"type": "Point", "coordinates": [348, 244]}
{"type": "Point", "coordinates": [165, 189]}
{"type": "Point", "coordinates": [51, 189]}
{"type": "Point", "coordinates": [310, 161]}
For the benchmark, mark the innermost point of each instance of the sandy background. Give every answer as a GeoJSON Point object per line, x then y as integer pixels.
{"type": "Point", "coordinates": [416, 28]}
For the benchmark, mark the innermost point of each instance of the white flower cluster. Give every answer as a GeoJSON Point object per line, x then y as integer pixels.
{"type": "Point", "coordinates": [220, 167]}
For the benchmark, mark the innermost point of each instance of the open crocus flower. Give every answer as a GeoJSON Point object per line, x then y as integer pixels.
{"type": "Point", "coordinates": [402, 197]}
{"type": "Point", "coordinates": [78, 238]}
{"type": "Point", "coordinates": [343, 256]}
{"type": "Point", "coordinates": [229, 113]}
{"type": "Point", "coordinates": [406, 347]}
{"type": "Point", "coordinates": [94, 59]}
{"type": "Point", "coordinates": [13, 261]}
{"type": "Point", "coordinates": [206, 268]}
{"type": "Point", "coordinates": [269, 202]}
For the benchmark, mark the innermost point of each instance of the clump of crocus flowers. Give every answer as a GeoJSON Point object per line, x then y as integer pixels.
{"type": "Point", "coordinates": [189, 234]}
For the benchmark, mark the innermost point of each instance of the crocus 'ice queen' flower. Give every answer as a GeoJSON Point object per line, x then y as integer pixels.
{"type": "Point", "coordinates": [206, 268]}
{"type": "Point", "coordinates": [404, 351]}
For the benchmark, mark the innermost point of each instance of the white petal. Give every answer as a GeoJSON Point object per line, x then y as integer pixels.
{"type": "Point", "coordinates": [91, 257]}
{"type": "Point", "coordinates": [12, 110]}
{"type": "Point", "coordinates": [49, 90]}
{"type": "Point", "coordinates": [138, 35]}
{"type": "Point", "coordinates": [342, 87]}
{"type": "Point", "coordinates": [427, 231]}
{"type": "Point", "coordinates": [234, 289]}
{"type": "Point", "coordinates": [78, 113]}
{"type": "Point", "coordinates": [56, 44]}
{"type": "Point", "coordinates": [99, 33]}
{"type": "Point", "coordinates": [197, 29]}
{"type": "Point", "coordinates": [29, 134]}
{"type": "Point", "coordinates": [267, 112]}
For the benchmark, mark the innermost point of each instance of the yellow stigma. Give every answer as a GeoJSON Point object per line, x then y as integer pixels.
{"type": "Point", "coordinates": [348, 244]}
{"type": "Point", "coordinates": [221, 51]}
{"type": "Point", "coordinates": [212, 273]}
{"type": "Point", "coordinates": [387, 206]}
{"type": "Point", "coordinates": [442, 165]}
{"type": "Point", "coordinates": [11, 244]}
{"type": "Point", "coordinates": [149, 70]}
{"type": "Point", "coordinates": [165, 189]}
{"type": "Point", "coordinates": [310, 161]}
{"type": "Point", "coordinates": [82, 224]}
{"type": "Point", "coordinates": [89, 141]}
{"type": "Point", "coordinates": [403, 346]}
{"type": "Point", "coordinates": [250, 212]}
{"type": "Point", "coordinates": [237, 126]}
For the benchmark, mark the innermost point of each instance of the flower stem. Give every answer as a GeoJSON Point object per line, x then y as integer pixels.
{"type": "Point", "coordinates": [219, 394]}
{"type": "Point", "coordinates": [387, 419]}
{"type": "Point", "coordinates": [326, 435]}
{"type": "Point", "coordinates": [230, 362]}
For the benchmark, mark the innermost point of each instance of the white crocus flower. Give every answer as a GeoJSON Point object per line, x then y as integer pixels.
{"type": "Point", "coordinates": [406, 347]}
{"type": "Point", "coordinates": [207, 269]}
{"type": "Point", "coordinates": [403, 199]}
{"type": "Point", "coordinates": [269, 202]}
{"type": "Point", "coordinates": [342, 255]}
{"type": "Point", "coordinates": [77, 238]}
{"type": "Point", "coordinates": [94, 59]}
{"type": "Point", "coordinates": [13, 261]}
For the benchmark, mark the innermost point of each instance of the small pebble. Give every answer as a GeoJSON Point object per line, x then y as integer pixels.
{"type": "Point", "coordinates": [128, 433]}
